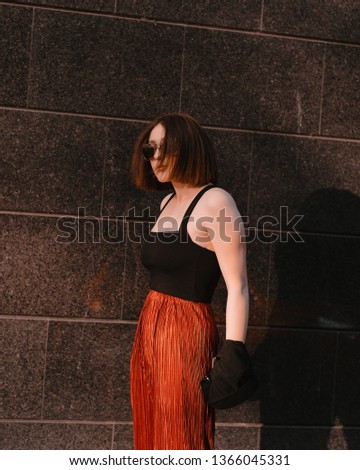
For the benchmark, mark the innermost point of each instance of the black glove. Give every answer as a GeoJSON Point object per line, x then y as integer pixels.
{"type": "Point", "coordinates": [231, 381]}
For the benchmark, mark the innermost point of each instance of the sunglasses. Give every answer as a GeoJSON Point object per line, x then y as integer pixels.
{"type": "Point", "coordinates": [149, 150]}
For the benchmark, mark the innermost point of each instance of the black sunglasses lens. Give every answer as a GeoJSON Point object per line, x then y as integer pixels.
{"type": "Point", "coordinates": [148, 151]}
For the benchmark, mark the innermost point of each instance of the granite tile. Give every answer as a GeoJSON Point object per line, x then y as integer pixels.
{"type": "Point", "coordinates": [244, 14]}
{"type": "Point", "coordinates": [236, 437]}
{"type": "Point", "coordinates": [252, 82]}
{"type": "Point", "coordinates": [296, 376]}
{"type": "Point", "coordinates": [24, 362]}
{"type": "Point", "coordinates": [136, 281]}
{"type": "Point", "coordinates": [333, 210]}
{"type": "Point", "coordinates": [294, 438]}
{"type": "Point", "coordinates": [103, 65]}
{"type": "Point", "coordinates": [319, 287]}
{"type": "Point", "coordinates": [218, 302]}
{"type": "Point", "coordinates": [91, 5]}
{"type": "Point", "coordinates": [341, 95]}
{"type": "Point", "coordinates": [57, 436]}
{"type": "Point", "coordinates": [313, 18]}
{"type": "Point", "coordinates": [87, 371]}
{"type": "Point", "coordinates": [15, 23]}
{"type": "Point", "coordinates": [309, 438]}
{"type": "Point", "coordinates": [258, 259]}
{"type": "Point", "coordinates": [233, 150]}
{"type": "Point", "coordinates": [123, 437]}
{"type": "Point", "coordinates": [313, 178]}
{"type": "Point", "coordinates": [47, 276]}
{"type": "Point", "coordinates": [57, 164]}
{"type": "Point", "coordinates": [347, 386]}
{"type": "Point", "coordinates": [295, 372]}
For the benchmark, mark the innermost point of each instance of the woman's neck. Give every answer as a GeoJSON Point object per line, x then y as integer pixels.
{"type": "Point", "coordinates": [185, 191]}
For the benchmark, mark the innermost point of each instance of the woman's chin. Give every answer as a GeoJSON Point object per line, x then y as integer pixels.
{"type": "Point", "coordinates": [162, 178]}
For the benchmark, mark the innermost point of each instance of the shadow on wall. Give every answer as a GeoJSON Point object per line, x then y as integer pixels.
{"type": "Point", "coordinates": [310, 375]}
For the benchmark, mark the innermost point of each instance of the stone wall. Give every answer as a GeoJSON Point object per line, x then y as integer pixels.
{"type": "Point", "coordinates": [276, 84]}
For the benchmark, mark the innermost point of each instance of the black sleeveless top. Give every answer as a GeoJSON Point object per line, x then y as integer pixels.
{"type": "Point", "coordinates": [178, 266]}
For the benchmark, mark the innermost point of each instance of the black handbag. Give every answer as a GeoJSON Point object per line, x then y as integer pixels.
{"type": "Point", "coordinates": [231, 381]}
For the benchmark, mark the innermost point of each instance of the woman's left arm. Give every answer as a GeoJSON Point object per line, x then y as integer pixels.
{"type": "Point", "coordinates": [227, 234]}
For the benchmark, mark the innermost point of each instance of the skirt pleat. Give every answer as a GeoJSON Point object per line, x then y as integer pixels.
{"type": "Point", "coordinates": [174, 344]}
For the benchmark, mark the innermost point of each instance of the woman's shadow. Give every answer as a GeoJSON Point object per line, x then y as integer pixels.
{"type": "Point", "coordinates": [308, 360]}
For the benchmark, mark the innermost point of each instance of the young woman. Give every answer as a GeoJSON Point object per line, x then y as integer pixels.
{"type": "Point", "coordinates": [197, 237]}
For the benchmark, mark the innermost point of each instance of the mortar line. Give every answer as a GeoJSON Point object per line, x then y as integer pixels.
{"type": "Point", "coordinates": [262, 15]}
{"type": "Point", "coordinates": [103, 172]}
{"type": "Point", "coordinates": [68, 319]}
{"type": "Point", "coordinates": [281, 426]}
{"type": "Point", "coordinates": [134, 322]}
{"type": "Point", "coordinates": [217, 424]}
{"type": "Point", "coordinates": [334, 379]}
{"type": "Point", "coordinates": [44, 378]}
{"type": "Point", "coordinates": [74, 114]}
{"type": "Point", "coordinates": [267, 309]}
{"type": "Point", "coordinates": [64, 421]}
{"type": "Point", "coordinates": [124, 274]}
{"type": "Point", "coordinates": [30, 57]}
{"type": "Point", "coordinates": [322, 90]}
{"type": "Point", "coordinates": [145, 221]}
{"type": "Point", "coordinates": [250, 174]}
{"type": "Point", "coordinates": [182, 69]}
{"type": "Point", "coordinates": [258, 443]}
{"type": "Point", "coordinates": [283, 134]}
{"type": "Point", "coordinates": [206, 126]}
{"type": "Point", "coordinates": [112, 436]}
{"type": "Point", "coordinates": [238, 424]}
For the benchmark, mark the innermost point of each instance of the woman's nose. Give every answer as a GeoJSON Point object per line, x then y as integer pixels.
{"type": "Point", "coordinates": [157, 152]}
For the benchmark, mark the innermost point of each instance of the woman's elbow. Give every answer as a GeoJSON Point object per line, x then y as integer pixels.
{"type": "Point", "coordinates": [238, 289]}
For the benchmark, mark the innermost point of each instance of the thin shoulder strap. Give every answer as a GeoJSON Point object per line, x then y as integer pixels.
{"type": "Point", "coordinates": [193, 204]}
{"type": "Point", "coordinates": [167, 202]}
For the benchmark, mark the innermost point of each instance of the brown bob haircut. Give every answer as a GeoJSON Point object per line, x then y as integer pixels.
{"type": "Point", "coordinates": [188, 149]}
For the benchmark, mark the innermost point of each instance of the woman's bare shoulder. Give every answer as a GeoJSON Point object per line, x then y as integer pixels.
{"type": "Point", "coordinates": [218, 198]}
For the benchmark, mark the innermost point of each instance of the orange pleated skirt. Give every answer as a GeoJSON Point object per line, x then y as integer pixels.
{"type": "Point", "coordinates": [174, 344]}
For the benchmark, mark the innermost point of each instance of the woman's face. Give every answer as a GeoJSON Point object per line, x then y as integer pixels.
{"type": "Point", "coordinates": [157, 137]}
